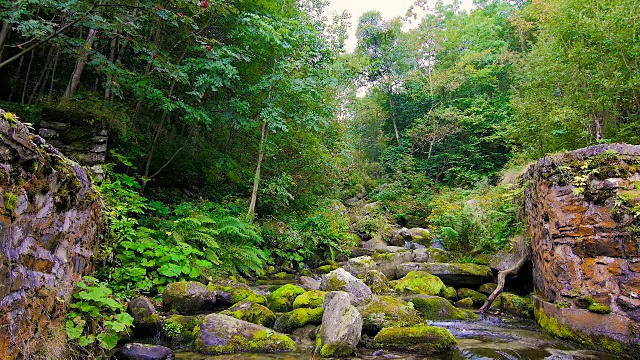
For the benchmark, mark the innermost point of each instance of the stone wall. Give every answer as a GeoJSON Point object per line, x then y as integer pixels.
{"type": "Point", "coordinates": [583, 213]}
{"type": "Point", "coordinates": [49, 222]}
{"type": "Point", "coordinates": [81, 140]}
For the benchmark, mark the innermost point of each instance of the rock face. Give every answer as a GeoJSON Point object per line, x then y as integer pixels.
{"type": "Point", "coordinates": [579, 208]}
{"type": "Point", "coordinates": [341, 326]}
{"type": "Point", "coordinates": [341, 280]}
{"type": "Point", "coordinates": [221, 334]}
{"type": "Point", "coordinates": [49, 221]}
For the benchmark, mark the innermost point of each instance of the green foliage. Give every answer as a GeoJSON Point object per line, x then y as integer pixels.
{"type": "Point", "coordinates": [478, 221]}
{"type": "Point", "coordinates": [98, 321]}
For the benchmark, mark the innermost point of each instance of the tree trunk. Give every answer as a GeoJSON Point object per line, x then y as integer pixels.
{"type": "Point", "coordinates": [393, 117]}
{"type": "Point", "coordinates": [42, 78]}
{"type": "Point", "coordinates": [4, 34]}
{"type": "Point", "coordinates": [523, 251]}
{"type": "Point", "coordinates": [256, 179]}
{"type": "Point", "coordinates": [112, 54]}
{"type": "Point", "coordinates": [26, 79]}
{"type": "Point", "coordinates": [53, 71]}
{"type": "Point", "coordinates": [82, 61]}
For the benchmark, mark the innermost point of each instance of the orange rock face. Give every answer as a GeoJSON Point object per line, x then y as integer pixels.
{"type": "Point", "coordinates": [585, 233]}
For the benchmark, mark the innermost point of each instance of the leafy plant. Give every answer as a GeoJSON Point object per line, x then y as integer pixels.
{"type": "Point", "coordinates": [98, 321]}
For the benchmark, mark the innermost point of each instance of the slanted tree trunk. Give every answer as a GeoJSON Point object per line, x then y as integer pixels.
{"type": "Point", "coordinates": [4, 34]}
{"type": "Point", "coordinates": [256, 178]}
{"type": "Point", "coordinates": [510, 264]}
{"type": "Point", "coordinates": [112, 55]}
{"type": "Point", "coordinates": [82, 61]}
{"type": "Point", "coordinates": [393, 117]}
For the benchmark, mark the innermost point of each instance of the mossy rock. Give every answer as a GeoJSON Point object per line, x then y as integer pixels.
{"type": "Point", "coordinates": [438, 255]}
{"type": "Point", "coordinates": [231, 291]}
{"type": "Point", "coordinates": [219, 334]}
{"type": "Point", "coordinates": [466, 302]}
{"type": "Point", "coordinates": [422, 339]}
{"type": "Point", "coordinates": [514, 305]}
{"type": "Point", "coordinates": [288, 322]}
{"type": "Point", "coordinates": [283, 276]}
{"type": "Point", "coordinates": [482, 259]}
{"type": "Point", "coordinates": [450, 293]}
{"type": "Point", "coordinates": [178, 330]}
{"type": "Point", "coordinates": [311, 299]}
{"type": "Point", "coordinates": [144, 313]}
{"type": "Point", "coordinates": [599, 309]}
{"type": "Point", "coordinates": [419, 282]}
{"type": "Point", "coordinates": [251, 312]}
{"type": "Point", "coordinates": [187, 296]}
{"type": "Point", "coordinates": [386, 311]}
{"type": "Point", "coordinates": [478, 298]}
{"type": "Point", "coordinates": [376, 281]}
{"type": "Point", "coordinates": [282, 299]}
{"type": "Point", "coordinates": [488, 288]}
{"type": "Point", "coordinates": [437, 308]}
{"type": "Point", "coordinates": [325, 269]}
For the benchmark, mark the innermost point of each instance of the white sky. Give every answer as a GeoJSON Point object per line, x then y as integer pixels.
{"type": "Point", "coordinates": [388, 8]}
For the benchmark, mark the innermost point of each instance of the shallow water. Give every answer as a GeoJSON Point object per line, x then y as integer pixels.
{"type": "Point", "coordinates": [489, 338]}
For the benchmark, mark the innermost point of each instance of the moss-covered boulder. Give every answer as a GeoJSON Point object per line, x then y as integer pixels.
{"type": "Point", "coordinates": [514, 305]}
{"type": "Point", "coordinates": [251, 312]}
{"type": "Point", "coordinates": [386, 311]}
{"type": "Point", "coordinates": [423, 339]}
{"type": "Point", "coordinates": [341, 280]}
{"type": "Point", "coordinates": [231, 291]}
{"type": "Point", "coordinates": [477, 297]}
{"type": "Point", "coordinates": [221, 334]}
{"type": "Point", "coordinates": [325, 269]}
{"type": "Point", "coordinates": [376, 281]}
{"type": "Point", "coordinates": [187, 296]}
{"type": "Point", "coordinates": [282, 299]}
{"type": "Point", "coordinates": [437, 255]}
{"type": "Point", "coordinates": [450, 293]}
{"type": "Point", "coordinates": [452, 274]}
{"type": "Point", "coordinates": [341, 327]}
{"type": "Point", "coordinates": [437, 308]}
{"type": "Point", "coordinates": [419, 282]}
{"type": "Point", "coordinates": [144, 313]}
{"type": "Point", "coordinates": [387, 262]}
{"type": "Point", "coordinates": [465, 303]}
{"type": "Point", "coordinates": [177, 330]}
{"type": "Point", "coordinates": [488, 288]}
{"type": "Point", "coordinates": [420, 235]}
{"type": "Point", "coordinates": [283, 276]}
{"type": "Point", "coordinates": [310, 299]}
{"type": "Point", "coordinates": [288, 322]}
{"type": "Point", "coordinates": [359, 265]}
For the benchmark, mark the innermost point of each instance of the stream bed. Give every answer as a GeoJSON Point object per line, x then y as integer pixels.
{"type": "Point", "coordinates": [489, 338]}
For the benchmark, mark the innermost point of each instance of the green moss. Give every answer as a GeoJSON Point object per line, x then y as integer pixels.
{"type": "Point", "coordinates": [553, 327]}
{"type": "Point", "coordinates": [298, 318]}
{"type": "Point", "coordinates": [449, 293]}
{"type": "Point", "coordinates": [283, 276]}
{"type": "Point", "coordinates": [10, 202]}
{"type": "Point", "coordinates": [251, 312]}
{"type": "Point", "coordinates": [325, 269]}
{"type": "Point", "coordinates": [282, 299]}
{"type": "Point", "coordinates": [386, 311]}
{"type": "Point", "coordinates": [599, 309]}
{"type": "Point", "coordinates": [419, 282]}
{"type": "Point", "coordinates": [376, 281]}
{"type": "Point", "coordinates": [420, 338]}
{"type": "Point", "coordinates": [239, 292]}
{"type": "Point", "coordinates": [478, 298]}
{"type": "Point", "coordinates": [310, 299]}
{"type": "Point", "coordinates": [178, 330]}
{"type": "Point", "coordinates": [262, 341]}
{"type": "Point", "coordinates": [466, 302]}
{"type": "Point", "coordinates": [336, 284]}
{"type": "Point", "coordinates": [437, 308]}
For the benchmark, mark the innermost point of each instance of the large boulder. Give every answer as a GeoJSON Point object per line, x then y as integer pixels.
{"type": "Point", "coordinates": [359, 265]}
{"type": "Point", "coordinates": [376, 281]}
{"type": "Point", "coordinates": [419, 282]}
{"type": "Point", "coordinates": [288, 322]}
{"type": "Point", "coordinates": [231, 291]}
{"type": "Point", "coordinates": [387, 262]}
{"type": "Point", "coordinates": [220, 334]}
{"type": "Point", "coordinates": [309, 283]}
{"type": "Point", "coordinates": [453, 274]}
{"type": "Point", "coordinates": [514, 305]}
{"type": "Point", "coordinates": [177, 330]}
{"type": "Point", "coordinates": [420, 236]}
{"type": "Point", "coordinates": [420, 338]}
{"type": "Point", "coordinates": [136, 351]}
{"type": "Point", "coordinates": [251, 312]}
{"type": "Point", "coordinates": [282, 299]}
{"type": "Point", "coordinates": [187, 296]}
{"type": "Point", "coordinates": [341, 280]}
{"type": "Point", "coordinates": [311, 299]}
{"type": "Point", "coordinates": [341, 326]}
{"type": "Point", "coordinates": [386, 311]}
{"type": "Point", "coordinates": [144, 314]}
{"type": "Point", "coordinates": [437, 308]}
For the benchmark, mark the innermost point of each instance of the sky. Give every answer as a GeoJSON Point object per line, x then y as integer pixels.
{"type": "Point", "coordinates": [388, 8]}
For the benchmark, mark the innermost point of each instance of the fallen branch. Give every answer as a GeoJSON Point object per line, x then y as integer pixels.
{"type": "Point", "coordinates": [522, 250]}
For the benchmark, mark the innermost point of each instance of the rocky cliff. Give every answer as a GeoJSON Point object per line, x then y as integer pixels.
{"type": "Point", "coordinates": [583, 213]}
{"type": "Point", "coordinates": [49, 222]}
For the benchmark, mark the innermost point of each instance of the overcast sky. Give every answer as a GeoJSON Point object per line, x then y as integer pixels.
{"type": "Point", "coordinates": [388, 8]}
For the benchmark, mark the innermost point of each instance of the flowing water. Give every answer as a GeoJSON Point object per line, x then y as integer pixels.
{"type": "Point", "coordinates": [489, 338]}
